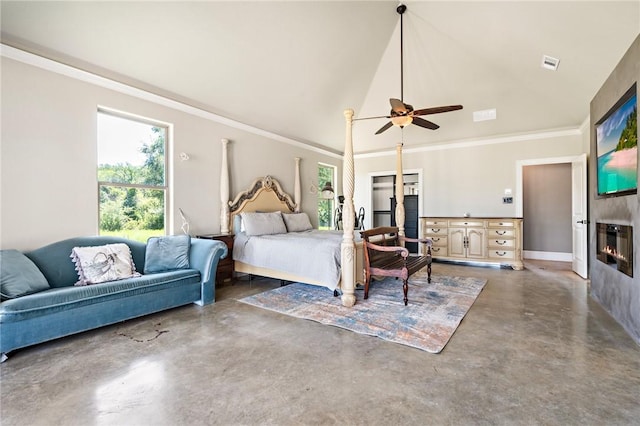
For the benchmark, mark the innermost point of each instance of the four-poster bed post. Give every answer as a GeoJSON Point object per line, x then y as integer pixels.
{"type": "Point", "coordinates": [224, 190]}
{"type": "Point", "coordinates": [399, 191]}
{"type": "Point", "coordinates": [348, 249]}
{"type": "Point", "coordinates": [296, 186]}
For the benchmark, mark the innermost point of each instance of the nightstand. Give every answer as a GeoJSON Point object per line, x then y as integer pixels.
{"type": "Point", "coordinates": [225, 266]}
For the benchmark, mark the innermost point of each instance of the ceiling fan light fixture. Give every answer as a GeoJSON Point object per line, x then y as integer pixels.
{"type": "Point", "coordinates": [402, 120]}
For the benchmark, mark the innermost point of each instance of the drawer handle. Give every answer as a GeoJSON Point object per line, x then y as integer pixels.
{"type": "Point", "coordinates": [435, 230]}
{"type": "Point", "coordinates": [501, 232]}
{"type": "Point", "coordinates": [503, 253]}
{"type": "Point", "coordinates": [435, 239]}
{"type": "Point", "coordinates": [435, 248]}
{"type": "Point", "coordinates": [501, 243]}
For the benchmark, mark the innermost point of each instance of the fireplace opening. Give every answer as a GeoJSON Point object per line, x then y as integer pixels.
{"type": "Point", "coordinates": [615, 246]}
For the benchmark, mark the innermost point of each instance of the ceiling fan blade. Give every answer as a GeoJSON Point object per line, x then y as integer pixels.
{"type": "Point", "coordinates": [385, 127]}
{"type": "Point", "coordinates": [424, 123]}
{"type": "Point", "coordinates": [398, 106]}
{"type": "Point", "coordinates": [437, 110]}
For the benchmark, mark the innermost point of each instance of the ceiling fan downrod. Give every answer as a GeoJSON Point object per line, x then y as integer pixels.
{"type": "Point", "coordinates": [401, 9]}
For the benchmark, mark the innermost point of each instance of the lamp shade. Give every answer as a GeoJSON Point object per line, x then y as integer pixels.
{"type": "Point", "coordinates": [327, 191]}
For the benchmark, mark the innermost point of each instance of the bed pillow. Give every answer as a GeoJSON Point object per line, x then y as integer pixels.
{"type": "Point", "coordinates": [99, 264]}
{"type": "Point", "coordinates": [263, 223]}
{"type": "Point", "coordinates": [238, 226]}
{"type": "Point", "coordinates": [297, 222]}
{"type": "Point", "coordinates": [19, 276]}
{"type": "Point", "coordinates": [167, 253]}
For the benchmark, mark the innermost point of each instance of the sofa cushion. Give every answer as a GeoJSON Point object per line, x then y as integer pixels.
{"type": "Point", "coordinates": [61, 299]}
{"type": "Point", "coordinates": [98, 264]}
{"type": "Point", "coordinates": [167, 253]}
{"type": "Point", "coordinates": [19, 276]}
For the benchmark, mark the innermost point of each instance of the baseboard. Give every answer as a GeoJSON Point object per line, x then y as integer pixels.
{"type": "Point", "coordinates": [548, 255]}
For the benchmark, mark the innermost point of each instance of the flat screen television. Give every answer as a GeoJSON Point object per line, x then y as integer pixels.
{"type": "Point", "coordinates": [617, 147]}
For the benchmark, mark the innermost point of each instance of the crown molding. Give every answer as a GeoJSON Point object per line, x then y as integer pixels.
{"type": "Point", "coordinates": [479, 142]}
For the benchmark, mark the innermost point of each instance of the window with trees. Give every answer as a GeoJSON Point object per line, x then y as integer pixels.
{"type": "Point", "coordinates": [132, 182]}
{"type": "Point", "coordinates": [326, 173]}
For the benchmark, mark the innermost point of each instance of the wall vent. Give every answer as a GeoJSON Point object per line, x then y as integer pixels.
{"type": "Point", "coordinates": [550, 63]}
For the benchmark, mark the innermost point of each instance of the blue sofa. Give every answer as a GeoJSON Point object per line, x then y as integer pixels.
{"type": "Point", "coordinates": [65, 309]}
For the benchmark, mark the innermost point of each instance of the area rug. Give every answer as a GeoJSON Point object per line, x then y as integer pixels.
{"type": "Point", "coordinates": [434, 312]}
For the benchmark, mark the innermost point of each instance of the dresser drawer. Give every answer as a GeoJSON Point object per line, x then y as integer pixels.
{"type": "Point", "coordinates": [434, 222]}
{"type": "Point", "coordinates": [497, 243]}
{"type": "Point", "coordinates": [471, 223]}
{"type": "Point", "coordinates": [501, 254]}
{"type": "Point", "coordinates": [501, 233]}
{"type": "Point", "coordinates": [501, 224]}
{"type": "Point", "coordinates": [439, 251]}
{"type": "Point", "coordinates": [439, 241]}
{"type": "Point", "coordinates": [434, 231]}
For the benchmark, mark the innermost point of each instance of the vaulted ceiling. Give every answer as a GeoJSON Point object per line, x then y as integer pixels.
{"type": "Point", "coordinates": [291, 68]}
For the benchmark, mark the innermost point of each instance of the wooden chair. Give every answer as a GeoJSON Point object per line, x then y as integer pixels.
{"type": "Point", "coordinates": [385, 256]}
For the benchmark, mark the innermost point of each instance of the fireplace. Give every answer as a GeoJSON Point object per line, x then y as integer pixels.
{"type": "Point", "coordinates": [615, 246]}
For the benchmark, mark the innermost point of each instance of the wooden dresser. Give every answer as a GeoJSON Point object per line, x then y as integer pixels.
{"type": "Point", "coordinates": [225, 269]}
{"type": "Point", "coordinates": [484, 240]}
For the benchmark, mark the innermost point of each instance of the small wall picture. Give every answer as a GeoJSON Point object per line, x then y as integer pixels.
{"type": "Point", "coordinates": [617, 147]}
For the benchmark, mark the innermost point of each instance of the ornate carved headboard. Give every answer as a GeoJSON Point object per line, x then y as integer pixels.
{"type": "Point", "coordinates": [264, 194]}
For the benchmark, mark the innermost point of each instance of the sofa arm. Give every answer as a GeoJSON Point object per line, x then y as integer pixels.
{"type": "Point", "coordinates": [204, 256]}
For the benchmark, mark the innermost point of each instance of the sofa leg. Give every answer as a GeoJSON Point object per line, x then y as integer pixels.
{"type": "Point", "coordinates": [3, 357]}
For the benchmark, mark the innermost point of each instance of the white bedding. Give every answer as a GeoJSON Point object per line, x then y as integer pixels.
{"type": "Point", "coordinates": [314, 254]}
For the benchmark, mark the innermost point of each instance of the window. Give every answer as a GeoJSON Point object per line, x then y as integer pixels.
{"type": "Point", "coordinates": [326, 173]}
{"type": "Point", "coordinates": [132, 182]}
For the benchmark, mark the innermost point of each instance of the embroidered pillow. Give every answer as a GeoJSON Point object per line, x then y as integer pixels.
{"type": "Point", "coordinates": [167, 253]}
{"type": "Point", "coordinates": [297, 222]}
{"type": "Point", "coordinates": [19, 276]}
{"type": "Point", "coordinates": [263, 223]}
{"type": "Point", "coordinates": [100, 264]}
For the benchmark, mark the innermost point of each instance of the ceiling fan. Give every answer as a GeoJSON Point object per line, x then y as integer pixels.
{"type": "Point", "coordinates": [403, 114]}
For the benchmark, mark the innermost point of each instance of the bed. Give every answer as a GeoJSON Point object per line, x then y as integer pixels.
{"type": "Point", "coordinates": [265, 195]}
{"type": "Point", "coordinates": [293, 252]}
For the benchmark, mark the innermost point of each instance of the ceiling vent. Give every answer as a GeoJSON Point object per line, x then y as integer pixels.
{"type": "Point", "coordinates": [550, 63]}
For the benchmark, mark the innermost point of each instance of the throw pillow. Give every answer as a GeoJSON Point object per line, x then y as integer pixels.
{"type": "Point", "coordinates": [19, 276]}
{"type": "Point", "coordinates": [297, 222]}
{"type": "Point", "coordinates": [99, 264]}
{"type": "Point", "coordinates": [263, 223]}
{"type": "Point", "coordinates": [167, 253]}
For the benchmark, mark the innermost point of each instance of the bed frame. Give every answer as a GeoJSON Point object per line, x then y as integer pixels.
{"type": "Point", "coordinates": [265, 194]}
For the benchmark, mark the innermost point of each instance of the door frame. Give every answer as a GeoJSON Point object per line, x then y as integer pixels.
{"type": "Point", "coordinates": [520, 164]}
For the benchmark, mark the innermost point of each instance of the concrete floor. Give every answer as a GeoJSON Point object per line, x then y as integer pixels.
{"type": "Point", "coordinates": [533, 349]}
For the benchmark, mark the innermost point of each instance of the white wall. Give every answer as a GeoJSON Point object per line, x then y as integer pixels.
{"type": "Point", "coordinates": [464, 178]}
{"type": "Point", "coordinates": [48, 188]}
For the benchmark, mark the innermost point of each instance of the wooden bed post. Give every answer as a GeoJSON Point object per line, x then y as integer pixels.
{"type": "Point", "coordinates": [224, 190]}
{"type": "Point", "coordinates": [348, 248]}
{"type": "Point", "coordinates": [296, 186]}
{"type": "Point", "coordinates": [399, 190]}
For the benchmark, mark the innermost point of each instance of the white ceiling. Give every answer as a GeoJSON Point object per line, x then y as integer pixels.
{"type": "Point", "coordinates": [291, 68]}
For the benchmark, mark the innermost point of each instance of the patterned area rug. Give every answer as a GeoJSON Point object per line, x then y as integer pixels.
{"type": "Point", "coordinates": [427, 323]}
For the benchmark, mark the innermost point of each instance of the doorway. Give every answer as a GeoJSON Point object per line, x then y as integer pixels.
{"type": "Point", "coordinates": [565, 199]}
{"type": "Point", "coordinates": [383, 202]}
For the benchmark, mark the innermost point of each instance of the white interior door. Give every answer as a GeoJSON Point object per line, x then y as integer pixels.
{"type": "Point", "coordinates": [579, 214]}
